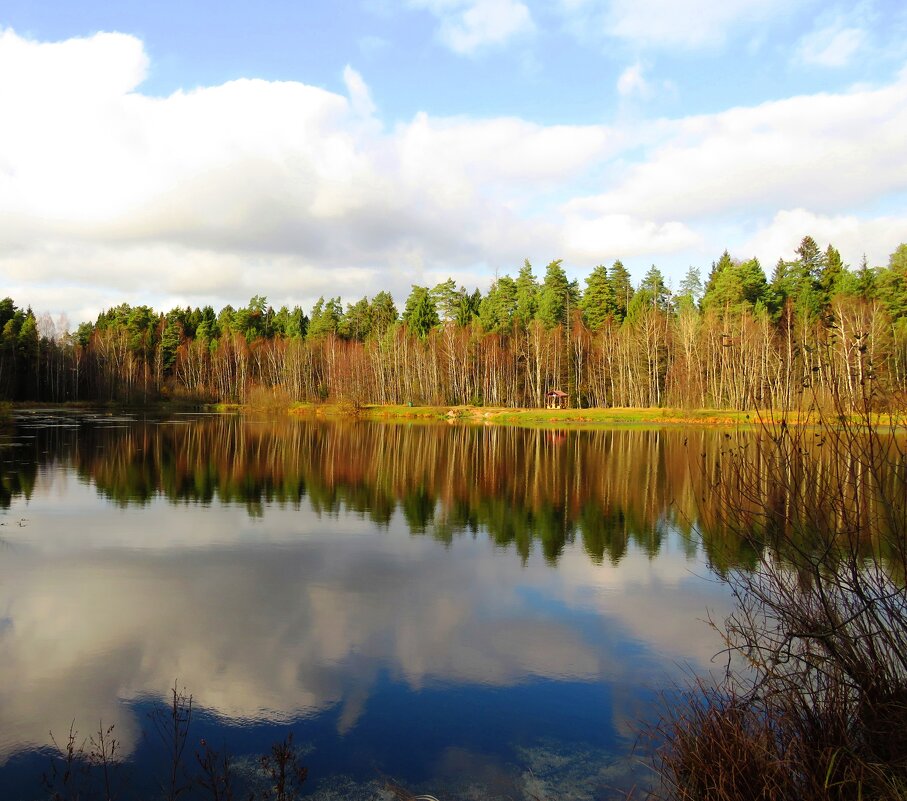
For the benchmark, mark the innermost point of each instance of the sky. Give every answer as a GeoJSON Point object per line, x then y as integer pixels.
{"type": "Point", "coordinates": [191, 153]}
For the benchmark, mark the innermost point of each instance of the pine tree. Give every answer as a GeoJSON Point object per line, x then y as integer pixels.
{"type": "Point", "coordinates": [325, 318]}
{"type": "Point", "coordinates": [724, 263]}
{"type": "Point", "coordinates": [655, 289]}
{"type": "Point", "coordinates": [893, 283]}
{"type": "Point", "coordinates": [356, 321]}
{"type": "Point", "coordinates": [527, 291]}
{"type": "Point", "coordinates": [691, 288]}
{"type": "Point", "coordinates": [555, 296]}
{"type": "Point", "coordinates": [832, 274]}
{"type": "Point", "coordinates": [468, 306]}
{"type": "Point", "coordinates": [420, 314]}
{"type": "Point", "coordinates": [171, 339]}
{"type": "Point", "coordinates": [598, 302]}
{"type": "Point", "coordinates": [383, 313]}
{"type": "Point", "coordinates": [446, 299]}
{"type": "Point", "coordinates": [622, 287]}
{"type": "Point", "coordinates": [498, 307]}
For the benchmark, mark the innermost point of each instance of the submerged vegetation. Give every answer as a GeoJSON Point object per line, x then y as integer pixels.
{"type": "Point", "coordinates": [737, 341]}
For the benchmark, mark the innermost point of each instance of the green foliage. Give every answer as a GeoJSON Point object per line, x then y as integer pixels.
{"type": "Point", "coordinates": [892, 283]}
{"type": "Point", "coordinates": [83, 334]}
{"type": "Point", "coordinates": [141, 325]}
{"type": "Point", "coordinates": [833, 273]}
{"type": "Point", "coordinates": [225, 319]}
{"type": "Point", "coordinates": [255, 320]}
{"type": "Point", "coordinates": [800, 281]}
{"type": "Point", "coordinates": [527, 295]}
{"type": "Point", "coordinates": [7, 311]}
{"type": "Point", "coordinates": [598, 302]}
{"type": "Point", "coordinates": [468, 306]}
{"type": "Point", "coordinates": [555, 296]}
{"type": "Point", "coordinates": [652, 291]}
{"type": "Point", "coordinates": [498, 307]}
{"type": "Point", "coordinates": [724, 263]}
{"type": "Point", "coordinates": [420, 314]}
{"type": "Point", "coordinates": [325, 318]}
{"type": "Point", "coordinates": [623, 288]}
{"type": "Point", "coordinates": [382, 314]}
{"type": "Point", "coordinates": [356, 323]}
{"type": "Point", "coordinates": [171, 339]}
{"type": "Point", "coordinates": [446, 299]}
{"type": "Point", "coordinates": [691, 289]}
{"type": "Point", "coordinates": [27, 340]}
{"type": "Point", "coordinates": [735, 286]}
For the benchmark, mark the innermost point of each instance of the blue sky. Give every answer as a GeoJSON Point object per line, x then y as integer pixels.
{"type": "Point", "coordinates": [177, 152]}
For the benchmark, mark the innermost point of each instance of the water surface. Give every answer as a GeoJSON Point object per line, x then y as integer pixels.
{"type": "Point", "coordinates": [477, 612]}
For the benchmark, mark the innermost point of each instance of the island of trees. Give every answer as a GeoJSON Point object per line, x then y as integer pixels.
{"type": "Point", "coordinates": [738, 340]}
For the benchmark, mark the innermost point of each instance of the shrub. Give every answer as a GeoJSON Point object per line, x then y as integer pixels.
{"type": "Point", "coordinates": [813, 704]}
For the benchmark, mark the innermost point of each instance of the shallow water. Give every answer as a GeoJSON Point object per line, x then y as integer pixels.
{"type": "Point", "coordinates": [475, 612]}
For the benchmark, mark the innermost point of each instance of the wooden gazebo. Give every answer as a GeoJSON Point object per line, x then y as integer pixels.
{"type": "Point", "coordinates": [556, 399]}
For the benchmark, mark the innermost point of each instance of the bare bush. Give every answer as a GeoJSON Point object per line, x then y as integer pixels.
{"type": "Point", "coordinates": [813, 704]}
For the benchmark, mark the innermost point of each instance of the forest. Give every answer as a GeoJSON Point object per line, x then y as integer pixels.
{"type": "Point", "coordinates": [735, 340]}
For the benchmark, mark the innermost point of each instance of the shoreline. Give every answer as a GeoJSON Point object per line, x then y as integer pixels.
{"type": "Point", "coordinates": [608, 417]}
{"type": "Point", "coordinates": [549, 418]}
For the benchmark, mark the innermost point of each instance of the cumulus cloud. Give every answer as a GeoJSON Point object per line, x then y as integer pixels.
{"type": "Point", "coordinates": [291, 191]}
{"type": "Point", "coordinates": [469, 25]}
{"type": "Point", "coordinates": [877, 237]}
{"type": "Point", "coordinates": [824, 152]}
{"type": "Point", "coordinates": [612, 236]}
{"type": "Point", "coordinates": [270, 185]}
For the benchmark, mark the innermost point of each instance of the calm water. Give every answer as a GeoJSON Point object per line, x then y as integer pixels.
{"type": "Point", "coordinates": [475, 612]}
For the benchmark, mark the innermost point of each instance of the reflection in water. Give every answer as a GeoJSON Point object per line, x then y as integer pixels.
{"type": "Point", "coordinates": [359, 580]}
{"type": "Point", "coordinates": [520, 486]}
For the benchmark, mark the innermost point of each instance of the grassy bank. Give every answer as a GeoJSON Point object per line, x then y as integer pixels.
{"type": "Point", "coordinates": [578, 418]}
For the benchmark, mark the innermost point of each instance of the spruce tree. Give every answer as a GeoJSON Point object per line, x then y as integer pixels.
{"type": "Point", "coordinates": [420, 314]}
{"type": "Point", "coordinates": [622, 287]}
{"type": "Point", "coordinates": [382, 313]}
{"type": "Point", "coordinates": [497, 308]}
{"type": "Point", "coordinates": [690, 292]}
{"type": "Point", "coordinates": [555, 296]}
{"type": "Point", "coordinates": [598, 302]}
{"type": "Point", "coordinates": [527, 291]}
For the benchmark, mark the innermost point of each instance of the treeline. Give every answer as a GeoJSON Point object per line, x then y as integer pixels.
{"type": "Point", "coordinates": [736, 340]}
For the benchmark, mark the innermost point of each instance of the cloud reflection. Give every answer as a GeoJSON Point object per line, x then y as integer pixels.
{"type": "Point", "coordinates": [293, 614]}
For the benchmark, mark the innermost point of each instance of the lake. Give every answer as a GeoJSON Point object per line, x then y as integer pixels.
{"type": "Point", "coordinates": [471, 611]}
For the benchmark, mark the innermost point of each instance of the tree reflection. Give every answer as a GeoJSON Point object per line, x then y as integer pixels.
{"type": "Point", "coordinates": [522, 488]}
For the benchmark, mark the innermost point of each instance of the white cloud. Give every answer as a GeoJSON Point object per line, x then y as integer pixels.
{"type": "Point", "coordinates": [355, 608]}
{"type": "Point", "coordinates": [611, 236]}
{"type": "Point", "coordinates": [252, 186]}
{"type": "Point", "coordinates": [469, 25]}
{"type": "Point", "coordinates": [831, 46]}
{"type": "Point", "coordinates": [824, 152]}
{"type": "Point", "coordinates": [358, 91]}
{"type": "Point", "coordinates": [633, 82]}
{"type": "Point", "coordinates": [683, 24]}
{"type": "Point", "coordinates": [93, 69]}
{"type": "Point", "coordinates": [287, 190]}
{"type": "Point", "coordinates": [877, 238]}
